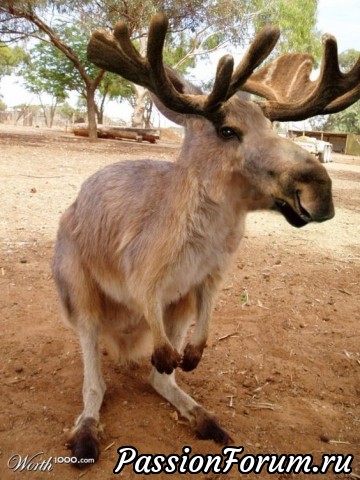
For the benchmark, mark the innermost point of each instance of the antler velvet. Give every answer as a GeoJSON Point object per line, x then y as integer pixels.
{"type": "Point", "coordinates": [284, 83]}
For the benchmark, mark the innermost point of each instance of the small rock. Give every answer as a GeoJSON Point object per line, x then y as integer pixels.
{"type": "Point", "coordinates": [324, 438]}
{"type": "Point", "coordinates": [19, 369]}
{"type": "Point", "coordinates": [33, 190]}
{"type": "Point", "coordinates": [23, 260]}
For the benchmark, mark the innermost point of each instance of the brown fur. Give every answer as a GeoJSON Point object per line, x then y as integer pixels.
{"type": "Point", "coordinates": [142, 251]}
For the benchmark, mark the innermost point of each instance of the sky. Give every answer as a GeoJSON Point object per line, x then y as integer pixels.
{"type": "Point", "coordinates": [341, 18]}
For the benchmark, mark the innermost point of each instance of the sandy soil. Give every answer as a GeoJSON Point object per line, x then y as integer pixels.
{"type": "Point", "coordinates": [282, 367]}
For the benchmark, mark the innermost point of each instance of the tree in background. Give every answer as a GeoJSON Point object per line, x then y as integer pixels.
{"type": "Point", "coordinates": [297, 21]}
{"type": "Point", "coordinates": [10, 58]}
{"type": "Point", "coordinates": [43, 75]}
{"type": "Point", "coordinates": [72, 114]}
{"type": "Point", "coordinates": [50, 72]}
{"type": "Point", "coordinates": [29, 18]}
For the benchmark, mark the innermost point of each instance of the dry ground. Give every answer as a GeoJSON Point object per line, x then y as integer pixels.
{"type": "Point", "coordinates": [282, 367]}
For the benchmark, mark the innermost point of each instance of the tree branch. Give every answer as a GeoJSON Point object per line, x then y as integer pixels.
{"type": "Point", "coordinates": [54, 39]}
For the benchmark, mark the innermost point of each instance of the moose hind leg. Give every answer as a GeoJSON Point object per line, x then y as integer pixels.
{"type": "Point", "coordinates": [83, 439]}
{"type": "Point", "coordinates": [81, 302]}
{"type": "Point", "coordinates": [205, 425]}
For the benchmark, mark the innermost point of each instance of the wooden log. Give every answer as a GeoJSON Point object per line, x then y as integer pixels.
{"type": "Point", "coordinates": [115, 132]}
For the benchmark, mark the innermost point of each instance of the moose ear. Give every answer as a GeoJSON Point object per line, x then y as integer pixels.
{"type": "Point", "coordinates": [182, 86]}
{"type": "Point", "coordinates": [178, 118]}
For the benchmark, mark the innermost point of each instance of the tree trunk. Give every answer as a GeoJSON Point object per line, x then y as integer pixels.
{"type": "Point", "coordinates": [115, 132]}
{"type": "Point", "coordinates": [148, 112]}
{"type": "Point", "coordinates": [99, 115]}
{"type": "Point", "coordinates": [139, 108]}
{"type": "Point", "coordinates": [43, 107]}
{"type": "Point", "coordinates": [91, 111]}
{"type": "Point", "coordinates": [53, 108]}
{"type": "Point", "coordinates": [138, 118]}
{"type": "Point", "coordinates": [100, 110]}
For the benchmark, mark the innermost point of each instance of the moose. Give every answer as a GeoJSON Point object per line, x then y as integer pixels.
{"type": "Point", "coordinates": [142, 251]}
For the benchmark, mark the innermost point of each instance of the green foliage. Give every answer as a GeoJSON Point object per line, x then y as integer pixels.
{"type": "Point", "coordinates": [50, 63]}
{"type": "Point", "coordinates": [176, 51]}
{"type": "Point", "coordinates": [50, 71]}
{"type": "Point", "coordinates": [113, 86]}
{"type": "Point", "coordinates": [348, 58]}
{"type": "Point", "coordinates": [70, 113]}
{"type": "Point", "coordinates": [43, 73]}
{"type": "Point", "coordinates": [10, 58]}
{"type": "Point", "coordinates": [297, 22]}
{"type": "Point", "coordinates": [346, 121]}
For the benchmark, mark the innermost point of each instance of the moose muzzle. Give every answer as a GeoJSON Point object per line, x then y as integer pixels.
{"type": "Point", "coordinates": [305, 194]}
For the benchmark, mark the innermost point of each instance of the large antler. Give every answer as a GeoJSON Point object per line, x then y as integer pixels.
{"type": "Point", "coordinates": [117, 54]}
{"type": "Point", "coordinates": [290, 93]}
{"type": "Point", "coordinates": [284, 83]}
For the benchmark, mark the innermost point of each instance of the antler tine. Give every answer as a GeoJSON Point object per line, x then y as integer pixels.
{"type": "Point", "coordinates": [220, 91]}
{"type": "Point", "coordinates": [203, 105]}
{"type": "Point", "coordinates": [344, 101]}
{"type": "Point", "coordinates": [329, 61]}
{"type": "Point", "coordinates": [291, 95]}
{"type": "Point", "coordinates": [351, 95]}
{"type": "Point", "coordinates": [161, 86]}
{"type": "Point", "coordinates": [115, 54]}
{"type": "Point", "coordinates": [122, 35]}
{"type": "Point", "coordinates": [156, 38]}
{"type": "Point", "coordinates": [259, 49]}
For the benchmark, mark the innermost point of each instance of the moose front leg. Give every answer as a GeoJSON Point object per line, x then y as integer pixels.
{"type": "Point", "coordinates": [165, 357]}
{"type": "Point", "coordinates": [204, 304]}
{"type": "Point", "coordinates": [178, 317]}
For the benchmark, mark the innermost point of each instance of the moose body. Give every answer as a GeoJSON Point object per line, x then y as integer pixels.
{"type": "Point", "coordinates": [142, 251]}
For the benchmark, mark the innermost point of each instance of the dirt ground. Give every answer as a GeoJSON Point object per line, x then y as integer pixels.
{"type": "Point", "coordinates": [282, 367]}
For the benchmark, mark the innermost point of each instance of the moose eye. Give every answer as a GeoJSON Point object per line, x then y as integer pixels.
{"type": "Point", "coordinates": [227, 133]}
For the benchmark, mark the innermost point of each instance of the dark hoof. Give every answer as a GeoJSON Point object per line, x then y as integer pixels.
{"type": "Point", "coordinates": [84, 444]}
{"type": "Point", "coordinates": [207, 427]}
{"type": "Point", "coordinates": [86, 451]}
{"type": "Point", "coordinates": [211, 430]}
{"type": "Point", "coordinates": [165, 359]}
{"type": "Point", "coordinates": [191, 358]}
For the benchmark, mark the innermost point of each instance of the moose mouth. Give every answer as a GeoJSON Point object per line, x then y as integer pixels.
{"type": "Point", "coordinates": [297, 216]}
